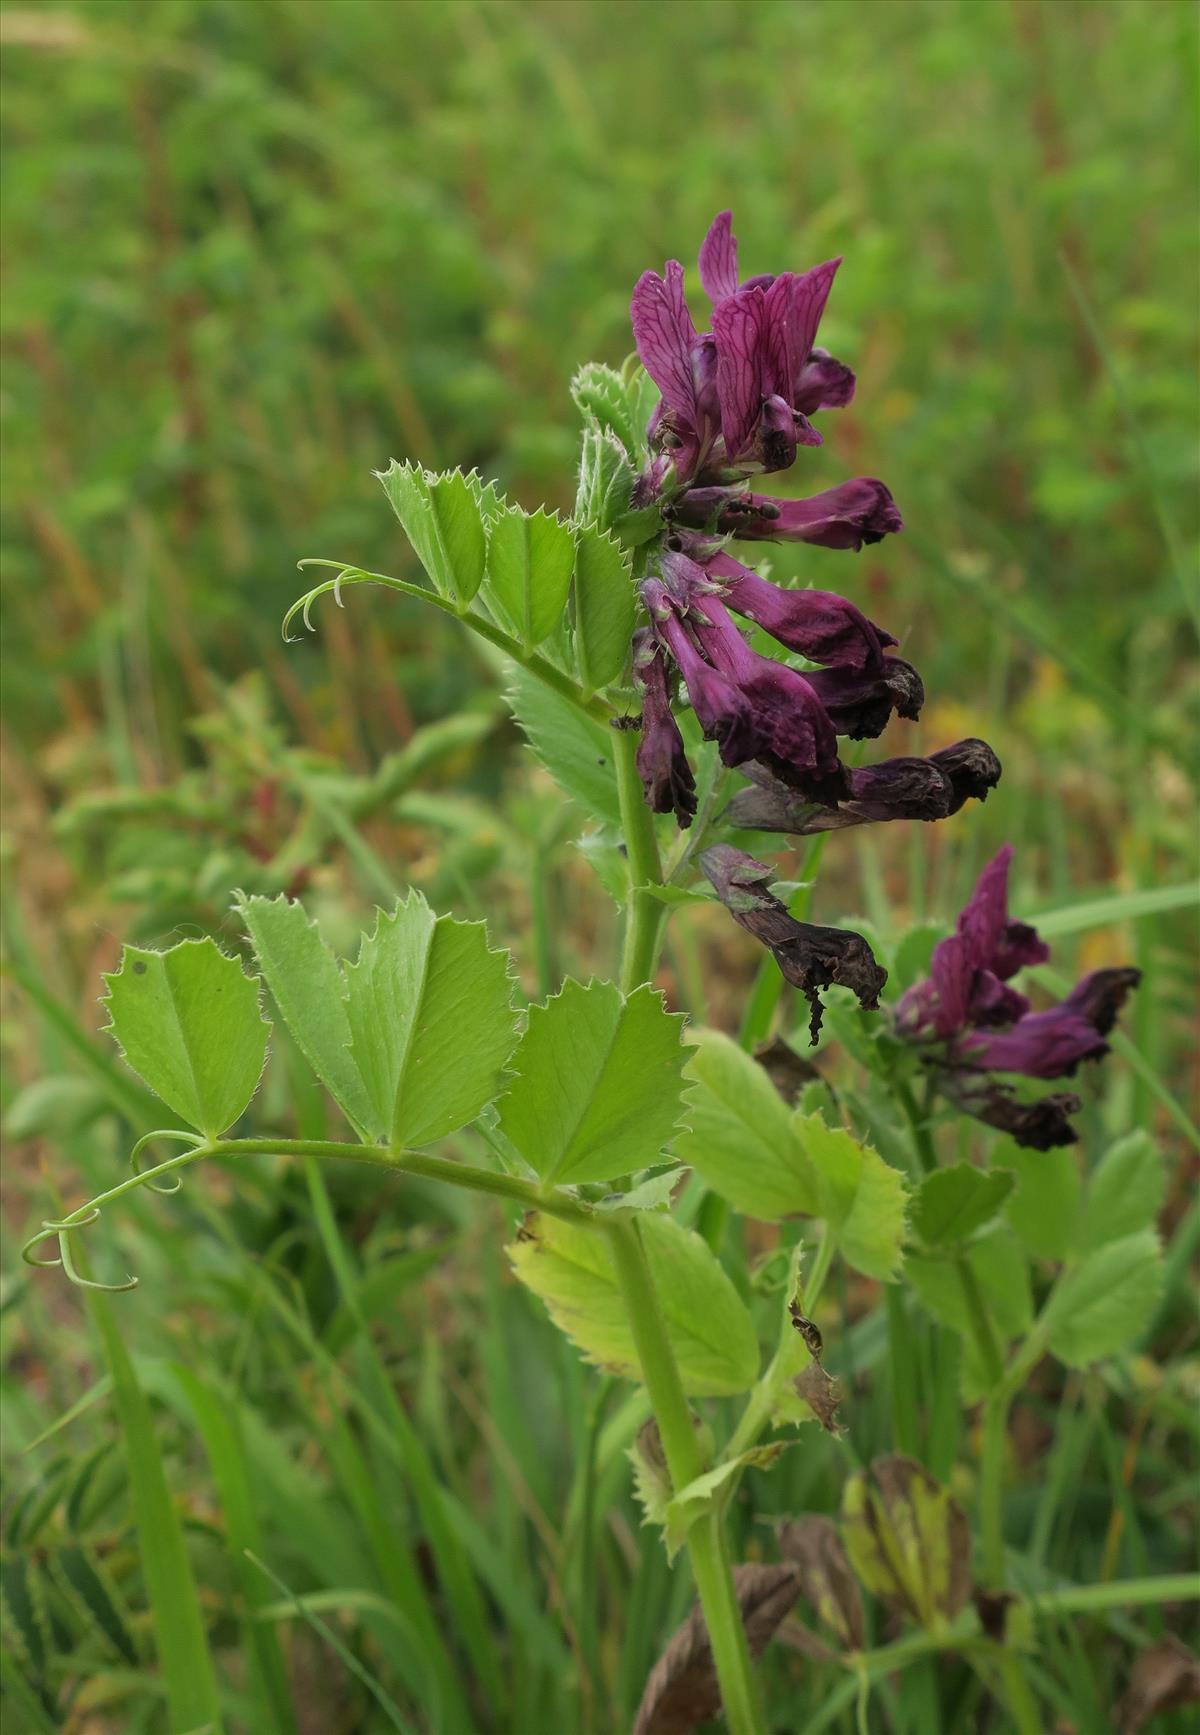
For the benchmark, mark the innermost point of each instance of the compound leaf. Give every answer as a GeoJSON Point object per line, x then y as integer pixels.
{"type": "Point", "coordinates": [529, 563]}
{"type": "Point", "coordinates": [1104, 1303]}
{"type": "Point", "coordinates": [442, 519]}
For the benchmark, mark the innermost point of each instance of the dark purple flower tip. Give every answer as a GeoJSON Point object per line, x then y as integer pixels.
{"type": "Point", "coordinates": [1041, 1125]}
{"type": "Point", "coordinates": [662, 761]}
{"type": "Point", "coordinates": [973, 770]}
{"type": "Point", "coordinates": [824, 383]}
{"type": "Point", "coordinates": [893, 789]}
{"type": "Point", "coordinates": [810, 958]}
{"type": "Point", "coordinates": [816, 623]}
{"type": "Point", "coordinates": [860, 703]}
{"type": "Point", "coordinates": [853, 513]}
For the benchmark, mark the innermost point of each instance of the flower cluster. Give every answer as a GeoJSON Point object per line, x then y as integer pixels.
{"type": "Point", "coordinates": [969, 1024]}
{"type": "Point", "coordinates": [736, 401]}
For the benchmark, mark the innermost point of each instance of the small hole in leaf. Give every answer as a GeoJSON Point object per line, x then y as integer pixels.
{"type": "Point", "coordinates": [139, 969]}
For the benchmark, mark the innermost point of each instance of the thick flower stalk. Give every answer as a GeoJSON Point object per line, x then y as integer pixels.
{"type": "Point", "coordinates": [969, 1024]}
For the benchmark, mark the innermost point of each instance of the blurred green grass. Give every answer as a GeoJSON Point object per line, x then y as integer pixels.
{"type": "Point", "coordinates": [254, 250]}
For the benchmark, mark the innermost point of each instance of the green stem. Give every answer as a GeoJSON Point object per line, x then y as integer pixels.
{"type": "Point", "coordinates": [705, 1543]}
{"type": "Point", "coordinates": [922, 1141]}
{"type": "Point", "coordinates": [645, 914]}
{"type": "Point", "coordinates": [991, 1489]}
{"type": "Point", "coordinates": [781, 1367]}
{"type": "Point", "coordinates": [554, 1201]}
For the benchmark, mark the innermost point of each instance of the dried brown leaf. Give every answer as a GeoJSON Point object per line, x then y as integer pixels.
{"type": "Point", "coordinates": [1165, 1676]}
{"type": "Point", "coordinates": [822, 1393]}
{"type": "Point", "coordinates": [812, 1543]}
{"type": "Point", "coordinates": [682, 1690]}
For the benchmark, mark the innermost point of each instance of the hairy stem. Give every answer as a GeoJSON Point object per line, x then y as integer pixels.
{"type": "Point", "coordinates": [645, 914]}
{"type": "Point", "coordinates": [706, 1541]}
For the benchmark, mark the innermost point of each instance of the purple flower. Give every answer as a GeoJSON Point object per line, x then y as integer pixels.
{"type": "Point", "coordinates": [661, 760]}
{"type": "Point", "coordinates": [810, 958]}
{"type": "Point", "coordinates": [853, 513]}
{"type": "Point", "coordinates": [736, 399]}
{"type": "Point", "coordinates": [816, 623]}
{"type": "Point", "coordinates": [753, 707]}
{"type": "Point", "coordinates": [966, 1019]}
{"type": "Point", "coordinates": [905, 788]}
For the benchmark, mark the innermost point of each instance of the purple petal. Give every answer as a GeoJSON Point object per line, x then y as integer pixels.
{"type": "Point", "coordinates": [810, 292]}
{"type": "Point", "coordinates": [718, 259]}
{"type": "Point", "coordinates": [818, 624]}
{"type": "Point", "coordinates": [665, 337]}
{"type": "Point", "coordinates": [853, 513]}
{"type": "Point", "coordinates": [983, 918]}
{"type": "Point", "coordinates": [738, 327]}
{"type": "Point", "coordinates": [661, 760]}
{"type": "Point", "coordinates": [823, 383]}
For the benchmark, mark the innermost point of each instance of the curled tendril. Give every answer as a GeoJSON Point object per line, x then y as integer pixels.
{"type": "Point", "coordinates": [172, 1183]}
{"type": "Point", "coordinates": [66, 1258]}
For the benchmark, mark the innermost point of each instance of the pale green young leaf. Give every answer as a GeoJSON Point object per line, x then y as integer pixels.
{"type": "Point", "coordinates": [1045, 1206]}
{"type": "Point", "coordinates": [608, 861]}
{"type": "Point", "coordinates": [953, 1203]}
{"type": "Point", "coordinates": [742, 1139]}
{"type": "Point", "coordinates": [861, 1197]}
{"type": "Point", "coordinates": [188, 1022]}
{"type": "Point", "coordinates": [601, 392]}
{"type": "Point", "coordinates": [710, 1488]}
{"type": "Point", "coordinates": [575, 751]}
{"type": "Point", "coordinates": [605, 607]}
{"type": "Point", "coordinates": [710, 1331]}
{"type": "Point", "coordinates": [528, 579]}
{"type": "Point", "coordinates": [431, 1021]}
{"type": "Point", "coordinates": [1106, 1301]}
{"type": "Point", "coordinates": [1124, 1192]}
{"type": "Point", "coordinates": [442, 518]}
{"type": "Point", "coordinates": [309, 989]}
{"type": "Point", "coordinates": [598, 1083]}
{"type": "Point", "coordinates": [606, 477]}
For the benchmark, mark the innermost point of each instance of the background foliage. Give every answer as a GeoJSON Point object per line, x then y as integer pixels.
{"type": "Point", "coordinates": [256, 251]}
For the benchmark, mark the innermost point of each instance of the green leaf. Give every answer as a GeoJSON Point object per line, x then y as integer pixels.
{"type": "Point", "coordinates": [608, 861]}
{"type": "Point", "coordinates": [1116, 907]}
{"type": "Point", "coordinates": [953, 1203]}
{"type": "Point", "coordinates": [431, 1020]}
{"type": "Point", "coordinates": [1002, 1273]}
{"type": "Point", "coordinates": [188, 1022]}
{"type": "Point", "coordinates": [710, 1331]}
{"type": "Point", "coordinates": [575, 751]}
{"type": "Point", "coordinates": [529, 563]}
{"type": "Point", "coordinates": [606, 477]}
{"type": "Point", "coordinates": [1044, 1208]}
{"type": "Point", "coordinates": [861, 1197]}
{"type": "Point", "coordinates": [605, 608]}
{"type": "Point", "coordinates": [442, 519]}
{"type": "Point", "coordinates": [598, 1083]}
{"type": "Point", "coordinates": [914, 952]}
{"type": "Point", "coordinates": [742, 1139]}
{"type": "Point", "coordinates": [1124, 1192]}
{"type": "Point", "coordinates": [703, 1493]}
{"type": "Point", "coordinates": [1106, 1301]}
{"type": "Point", "coordinates": [601, 392]}
{"type": "Point", "coordinates": [309, 989]}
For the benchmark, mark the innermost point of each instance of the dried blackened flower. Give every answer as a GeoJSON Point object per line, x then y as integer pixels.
{"type": "Point", "coordinates": [809, 957]}
{"type": "Point", "coordinates": [969, 1023]}
{"type": "Point", "coordinates": [907, 788]}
